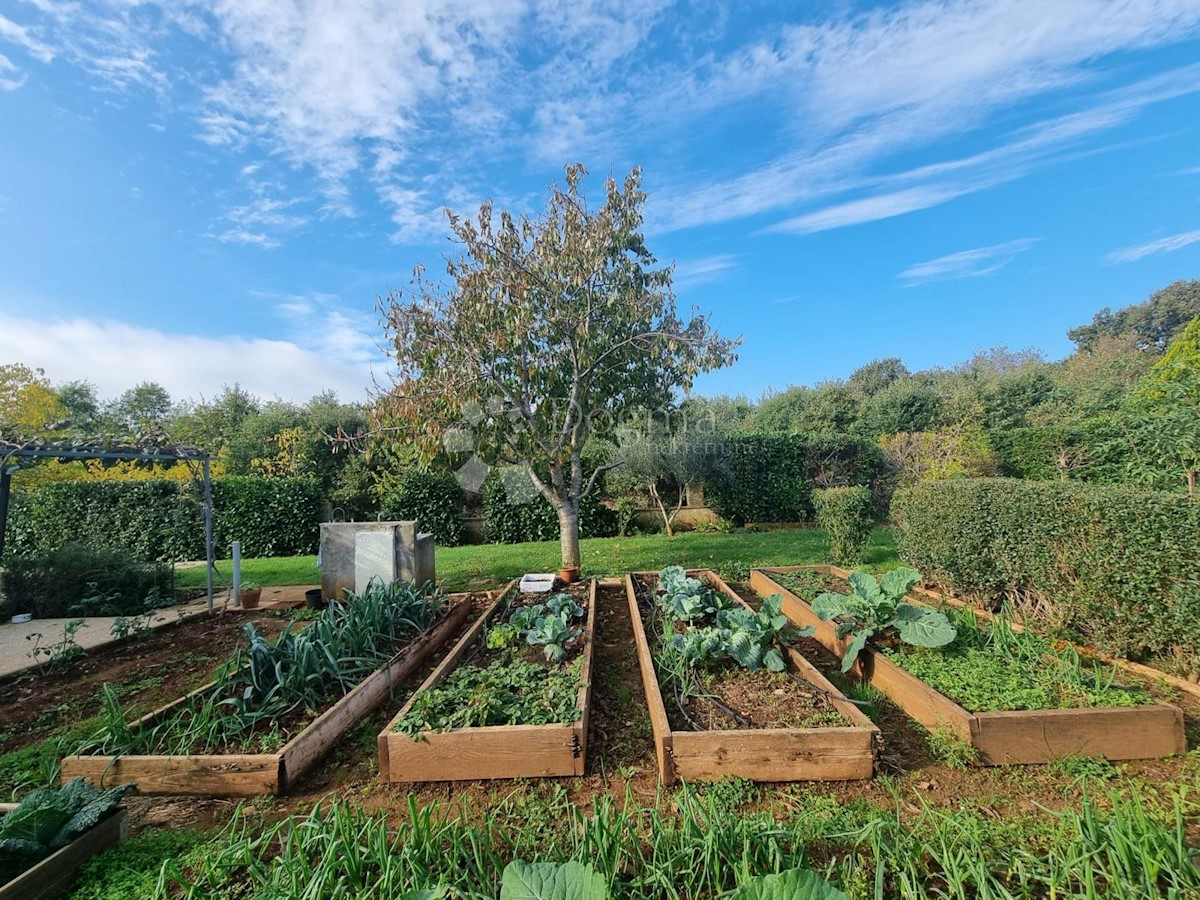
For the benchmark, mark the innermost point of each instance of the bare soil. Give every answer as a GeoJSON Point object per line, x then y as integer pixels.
{"type": "Point", "coordinates": [146, 673]}
{"type": "Point", "coordinates": [734, 698]}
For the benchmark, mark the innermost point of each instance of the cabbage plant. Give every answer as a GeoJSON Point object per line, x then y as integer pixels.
{"type": "Point", "coordinates": [877, 606]}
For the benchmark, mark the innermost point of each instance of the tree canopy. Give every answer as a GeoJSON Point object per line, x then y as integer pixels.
{"type": "Point", "coordinates": [552, 330]}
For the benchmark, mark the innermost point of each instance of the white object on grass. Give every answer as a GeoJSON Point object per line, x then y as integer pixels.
{"type": "Point", "coordinates": [537, 583]}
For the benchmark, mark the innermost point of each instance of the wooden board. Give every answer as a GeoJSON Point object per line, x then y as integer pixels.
{"type": "Point", "coordinates": [1016, 736]}
{"type": "Point", "coordinates": [759, 754]}
{"type": "Point", "coordinates": [254, 774]}
{"type": "Point", "coordinates": [54, 874]}
{"type": "Point", "coordinates": [495, 751]}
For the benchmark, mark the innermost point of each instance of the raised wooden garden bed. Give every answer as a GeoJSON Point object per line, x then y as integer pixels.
{"type": "Point", "coordinates": [52, 876]}
{"type": "Point", "coordinates": [254, 774]}
{"type": "Point", "coordinates": [1017, 736]}
{"type": "Point", "coordinates": [759, 754]}
{"type": "Point", "coordinates": [493, 751]}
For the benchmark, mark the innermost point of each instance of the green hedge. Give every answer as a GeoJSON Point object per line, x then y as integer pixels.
{"type": "Point", "coordinates": [1032, 453]}
{"type": "Point", "coordinates": [513, 512]}
{"type": "Point", "coordinates": [433, 500]}
{"type": "Point", "coordinates": [770, 477]}
{"type": "Point", "coordinates": [51, 584]}
{"type": "Point", "coordinates": [163, 520]}
{"type": "Point", "coordinates": [1118, 565]}
{"type": "Point", "coordinates": [848, 515]}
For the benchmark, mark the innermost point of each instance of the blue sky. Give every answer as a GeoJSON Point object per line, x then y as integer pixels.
{"type": "Point", "coordinates": [199, 193]}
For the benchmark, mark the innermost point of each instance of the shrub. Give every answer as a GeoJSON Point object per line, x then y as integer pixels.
{"type": "Point", "coordinates": [270, 516]}
{"type": "Point", "coordinates": [1039, 454]}
{"type": "Point", "coordinates": [50, 584]}
{"type": "Point", "coordinates": [163, 520]}
{"type": "Point", "coordinates": [770, 477]}
{"type": "Point", "coordinates": [514, 512]}
{"type": "Point", "coordinates": [1118, 565]}
{"type": "Point", "coordinates": [432, 499]}
{"type": "Point", "coordinates": [847, 514]}
{"type": "Point", "coordinates": [626, 508]}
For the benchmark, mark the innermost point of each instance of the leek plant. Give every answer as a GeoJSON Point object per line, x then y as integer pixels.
{"type": "Point", "coordinates": [267, 683]}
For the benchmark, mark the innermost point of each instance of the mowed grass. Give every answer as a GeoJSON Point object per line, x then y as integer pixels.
{"type": "Point", "coordinates": [731, 554]}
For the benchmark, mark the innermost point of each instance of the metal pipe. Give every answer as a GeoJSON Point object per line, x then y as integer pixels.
{"type": "Point", "coordinates": [5, 485]}
{"type": "Point", "coordinates": [236, 553]}
{"type": "Point", "coordinates": [208, 531]}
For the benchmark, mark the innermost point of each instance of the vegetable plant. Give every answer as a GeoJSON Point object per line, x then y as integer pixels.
{"type": "Point", "coordinates": [299, 673]}
{"type": "Point", "coordinates": [877, 606]}
{"type": "Point", "coordinates": [685, 599]}
{"type": "Point", "coordinates": [48, 819]}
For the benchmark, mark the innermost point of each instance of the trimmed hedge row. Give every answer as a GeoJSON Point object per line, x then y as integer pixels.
{"type": "Point", "coordinates": [514, 512]}
{"type": "Point", "coordinates": [770, 477]}
{"type": "Point", "coordinates": [433, 500]}
{"type": "Point", "coordinates": [163, 520]}
{"type": "Point", "coordinates": [1118, 565]}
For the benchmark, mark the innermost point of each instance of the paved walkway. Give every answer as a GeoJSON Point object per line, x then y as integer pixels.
{"type": "Point", "coordinates": [15, 643]}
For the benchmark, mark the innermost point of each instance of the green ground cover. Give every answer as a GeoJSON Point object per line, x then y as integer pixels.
{"type": "Point", "coordinates": [995, 668]}
{"type": "Point", "coordinates": [732, 554]}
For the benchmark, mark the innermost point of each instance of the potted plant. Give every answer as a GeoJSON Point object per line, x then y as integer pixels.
{"type": "Point", "coordinates": [249, 594]}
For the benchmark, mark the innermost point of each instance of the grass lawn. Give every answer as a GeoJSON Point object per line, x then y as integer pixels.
{"type": "Point", "coordinates": [732, 554]}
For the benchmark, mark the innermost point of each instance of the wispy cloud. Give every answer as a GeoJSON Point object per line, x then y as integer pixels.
{"type": "Point", "coordinates": [694, 272]}
{"type": "Point", "coordinates": [423, 102]}
{"type": "Point", "coordinates": [1151, 248]}
{"type": "Point", "coordinates": [21, 36]}
{"type": "Point", "coordinates": [967, 263]}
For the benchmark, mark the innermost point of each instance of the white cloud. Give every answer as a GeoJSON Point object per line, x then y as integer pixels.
{"type": "Point", "coordinates": [11, 77]}
{"type": "Point", "coordinates": [858, 91]}
{"type": "Point", "coordinates": [114, 355]}
{"type": "Point", "coordinates": [22, 37]}
{"type": "Point", "coordinates": [1162, 245]}
{"type": "Point", "coordinates": [967, 263]}
{"type": "Point", "coordinates": [702, 270]}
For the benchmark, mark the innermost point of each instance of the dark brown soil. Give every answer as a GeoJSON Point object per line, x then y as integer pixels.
{"type": "Point", "coordinates": [482, 656]}
{"type": "Point", "coordinates": [145, 672]}
{"type": "Point", "coordinates": [729, 697]}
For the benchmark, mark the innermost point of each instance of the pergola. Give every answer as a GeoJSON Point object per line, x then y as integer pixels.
{"type": "Point", "coordinates": [14, 453]}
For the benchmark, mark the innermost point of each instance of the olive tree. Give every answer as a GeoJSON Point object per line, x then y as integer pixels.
{"type": "Point", "coordinates": [550, 331]}
{"type": "Point", "coordinates": [664, 464]}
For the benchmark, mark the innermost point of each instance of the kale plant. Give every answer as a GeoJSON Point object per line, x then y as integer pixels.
{"type": "Point", "coordinates": [877, 606]}
{"type": "Point", "coordinates": [48, 819]}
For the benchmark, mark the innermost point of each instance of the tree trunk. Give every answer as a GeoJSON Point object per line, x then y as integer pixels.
{"type": "Point", "coordinates": [662, 509]}
{"type": "Point", "coordinates": [568, 535]}
{"type": "Point", "coordinates": [1191, 482]}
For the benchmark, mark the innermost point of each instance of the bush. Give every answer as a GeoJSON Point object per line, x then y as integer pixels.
{"type": "Point", "coordinates": [433, 500]}
{"type": "Point", "coordinates": [847, 514]}
{"type": "Point", "coordinates": [51, 584]}
{"type": "Point", "coordinates": [163, 520]}
{"type": "Point", "coordinates": [514, 512]}
{"type": "Point", "coordinates": [758, 478]}
{"type": "Point", "coordinates": [1033, 453]}
{"type": "Point", "coordinates": [626, 508]}
{"type": "Point", "coordinates": [1118, 565]}
{"type": "Point", "coordinates": [770, 477]}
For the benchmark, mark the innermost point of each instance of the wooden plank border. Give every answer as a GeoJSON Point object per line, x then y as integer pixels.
{"type": "Point", "coordinates": [52, 876]}
{"type": "Point", "coordinates": [495, 751]}
{"type": "Point", "coordinates": [759, 754]}
{"type": "Point", "coordinates": [1017, 736]}
{"type": "Point", "coordinates": [254, 774]}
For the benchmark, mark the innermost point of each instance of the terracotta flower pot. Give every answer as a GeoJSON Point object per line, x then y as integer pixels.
{"type": "Point", "coordinates": [250, 598]}
{"type": "Point", "coordinates": [568, 574]}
